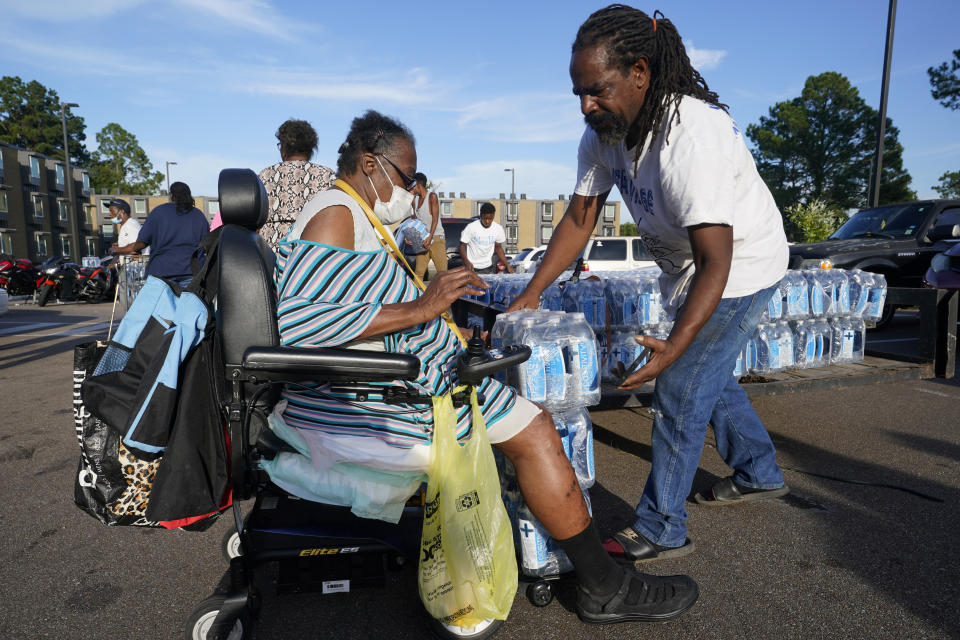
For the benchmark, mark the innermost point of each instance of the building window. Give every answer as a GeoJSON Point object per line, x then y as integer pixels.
{"type": "Point", "coordinates": [547, 211]}
{"type": "Point", "coordinates": [213, 207]}
{"type": "Point", "coordinates": [140, 206]}
{"type": "Point", "coordinates": [609, 212]}
{"type": "Point", "coordinates": [608, 231]}
{"type": "Point", "coordinates": [4, 206]}
{"type": "Point", "coordinates": [105, 207]}
{"type": "Point", "coordinates": [510, 210]}
{"type": "Point", "coordinates": [62, 210]}
{"type": "Point", "coordinates": [86, 182]}
{"type": "Point", "coordinates": [6, 243]}
{"type": "Point", "coordinates": [90, 213]}
{"type": "Point", "coordinates": [446, 208]}
{"type": "Point", "coordinates": [92, 246]}
{"type": "Point", "coordinates": [65, 245]}
{"type": "Point", "coordinates": [37, 205]}
{"type": "Point", "coordinates": [511, 233]}
{"type": "Point", "coordinates": [60, 175]}
{"type": "Point", "coordinates": [546, 232]}
{"type": "Point", "coordinates": [34, 168]}
{"type": "Point", "coordinates": [41, 239]}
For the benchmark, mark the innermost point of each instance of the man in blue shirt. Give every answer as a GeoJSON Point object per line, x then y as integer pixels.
{"type": "Point", "coordinates": [172, 231]}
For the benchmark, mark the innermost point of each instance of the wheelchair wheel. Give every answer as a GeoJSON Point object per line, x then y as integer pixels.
{"type": "Point", "coordinates": [484, 630]}
{"type": "Point", "coordinates": [201, 620]}
{"type": "Point", "coordinates": [540, 593]}
{"type": "Point", "coordinates": [230, 545]}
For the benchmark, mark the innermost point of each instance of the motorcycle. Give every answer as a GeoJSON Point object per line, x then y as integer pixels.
{"type": "Point", "coordinates": [69, 281]}
{"type": "Point", "coordinates": [18, 276]}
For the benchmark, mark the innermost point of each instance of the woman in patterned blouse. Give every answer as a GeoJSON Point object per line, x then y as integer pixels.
{"type": "Point", "coordinates": [294, 180]}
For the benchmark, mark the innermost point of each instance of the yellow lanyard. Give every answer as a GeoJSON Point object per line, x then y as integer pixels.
{"type": "Point", "coordinates": [386, 239]}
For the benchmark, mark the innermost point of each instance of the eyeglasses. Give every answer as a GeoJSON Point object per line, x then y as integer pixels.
{"type": "Point", "coordinates": [408, 182]}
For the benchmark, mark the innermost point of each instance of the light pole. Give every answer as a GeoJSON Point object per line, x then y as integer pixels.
{"type": "Point", "coordinates": [873, 198]}
{"type": "Point", "coordinates": [68, 177]}
{"type": "Point", "coordinates": [513, 189]}
{"type": "Point", "coordinates": [168, 175]}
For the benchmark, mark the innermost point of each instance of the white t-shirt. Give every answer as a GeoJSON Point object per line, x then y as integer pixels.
{"type": "Point", "coordinates": [481, 242]}
{"type": "Point", "coordinates": [703, 174]}
{"type": "Point", "coordinates": [129, 232]}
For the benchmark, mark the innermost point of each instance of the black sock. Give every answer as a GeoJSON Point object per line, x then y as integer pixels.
{"type": "Point", "coordinates": [596, 571]}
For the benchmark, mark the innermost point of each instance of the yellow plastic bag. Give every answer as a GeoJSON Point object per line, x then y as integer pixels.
{"type": "Point", "coordinates": [468, 567]}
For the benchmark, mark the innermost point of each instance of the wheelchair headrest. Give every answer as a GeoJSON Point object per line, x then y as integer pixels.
{"type": "Point", "coordinates": [243, 200]}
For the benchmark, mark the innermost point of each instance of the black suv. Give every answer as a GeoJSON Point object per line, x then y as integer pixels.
{"type": "Point", "coordinates": [897, 240]}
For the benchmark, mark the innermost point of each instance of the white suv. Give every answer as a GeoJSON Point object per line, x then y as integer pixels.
{"type": "Point", "coordinates": [616, 253]}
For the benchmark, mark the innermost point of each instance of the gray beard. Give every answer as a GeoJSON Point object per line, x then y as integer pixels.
{"type": "Point", "coordinates": [612, 131]}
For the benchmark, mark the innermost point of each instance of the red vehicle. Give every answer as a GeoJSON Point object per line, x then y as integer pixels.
{"type": "Point", "coordinates": [18, 276]}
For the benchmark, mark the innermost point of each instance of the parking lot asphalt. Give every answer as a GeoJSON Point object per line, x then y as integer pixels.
{"type": "Point", "coordinates": [865, 546]}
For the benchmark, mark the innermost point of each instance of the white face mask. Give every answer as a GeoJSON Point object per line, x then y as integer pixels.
{"type": "Point", "coordinates": [400, 205]}
{"type": "Point", "coordinates": [117, 220]}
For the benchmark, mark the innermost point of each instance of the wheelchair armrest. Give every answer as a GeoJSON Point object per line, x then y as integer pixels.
{"type": "Point", "coordinates": [328, 364]}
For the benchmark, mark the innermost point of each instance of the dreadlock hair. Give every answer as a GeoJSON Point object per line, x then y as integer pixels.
{"type": "Point", "coordinates": [373, 133]}
{"type": "Point", "coordinates": [629, 34]}
{"type": "Point", "coordinates": [180, 195]}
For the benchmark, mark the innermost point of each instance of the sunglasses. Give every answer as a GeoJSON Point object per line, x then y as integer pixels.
{"type": "Point", "coordinates": [408, 182]}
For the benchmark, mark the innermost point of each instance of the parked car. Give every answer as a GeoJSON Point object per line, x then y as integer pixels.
{"type": "Point", "coordinates": [526, 260]}
{"type": "Point", "coordinates": [897, 240]}
{"type": "Point", "coordinates": [616, 253]}
{"type": "Point", "coordinates": [944, 271]}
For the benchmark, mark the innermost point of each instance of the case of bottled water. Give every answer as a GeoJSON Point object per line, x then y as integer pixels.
{"type": "Point", "coordinates": [586, 297]}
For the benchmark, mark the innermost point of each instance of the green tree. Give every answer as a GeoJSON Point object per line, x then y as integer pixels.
{"type": "Point", "coordinates": [949, 186]}
{"type": "Point", "coordinates": [120, 165]}
{"type": "Point", "coordinates": [30, 118]}
{"type": "Point", "coordinates": [813, 221]}
{"type": "Point", "coordinates": [628, 229]}
{"type": "Point", "coordinates": [945, 82]}
{"type": "Point", "coordinates": [821, 144]}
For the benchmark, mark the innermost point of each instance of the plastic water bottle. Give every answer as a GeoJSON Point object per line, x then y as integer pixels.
{"type": "Point", "coordinates": [819, 296]}
{"type": "Point", "coordinates": [784, 334]}
{"type": "Point", "coordinates": [650, 304]}
{"type": "Point", "coordinates": [839, 286]}
{"type": "Point", "coordinates": [841, 341]}
{"type": "Point", "coordinates": [531, 378]}
{"type": "Point", "coordinates": [859, 328]}
{"type": "Point", "coordinates": [860, 282]}
{"type": "Point", "coordinates": [876, 299]}
{"type": "Point", "coordinates": [774, 310]}
{"type": "Point", "coordinates": [581, 428]}
{"type": "Point", "coordinates": [582, 362]}
{"type": "Point", "coordinates": [768, 349]}
{"type": "Point", "coordinates": [804, 343]}
{"type": "Point", "coordinates": [797, 296]}
{"type": "Point", "coordinates": [622, 351]}
{"type": "Point", "coordinates": [550, 337]}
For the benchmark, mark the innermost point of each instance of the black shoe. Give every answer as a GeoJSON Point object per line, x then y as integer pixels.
{"type": "Point", "coordinates": [627, 545]}
{"type": "Point", "coordinates": [640, 598]}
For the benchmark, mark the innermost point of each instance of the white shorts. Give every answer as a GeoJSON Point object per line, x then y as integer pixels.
{"type": "Point", "coordinates": [328, 449]}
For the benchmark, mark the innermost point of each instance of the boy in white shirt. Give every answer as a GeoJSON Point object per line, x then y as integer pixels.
{"type": "Point", "coordinates": [661, 136]}
{"type": "Point", "coordinates": [480, 240]}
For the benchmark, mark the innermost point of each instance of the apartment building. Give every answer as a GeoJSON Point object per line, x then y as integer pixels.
{"type": "Point", "coordinates": [36, 221]}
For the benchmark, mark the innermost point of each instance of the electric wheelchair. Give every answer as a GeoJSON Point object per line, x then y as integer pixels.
{"type": "Point", "coordinates": [316, 545]}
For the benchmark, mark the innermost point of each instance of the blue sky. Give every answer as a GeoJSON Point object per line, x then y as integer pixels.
{"type": "Point", "coordinates": [483, 85]}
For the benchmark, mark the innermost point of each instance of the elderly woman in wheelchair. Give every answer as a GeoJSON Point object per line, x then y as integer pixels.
{"type": "Point", "coordinates": [338, 287]}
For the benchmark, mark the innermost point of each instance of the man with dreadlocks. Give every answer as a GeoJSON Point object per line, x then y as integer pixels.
{"type": "Point", "coordinates": [662, 137]}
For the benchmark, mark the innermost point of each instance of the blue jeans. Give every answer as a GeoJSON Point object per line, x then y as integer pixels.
{"type": "Point", "coordinates": [697, 389]}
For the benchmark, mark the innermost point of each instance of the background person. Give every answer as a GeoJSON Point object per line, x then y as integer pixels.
{"type": "Point", "coordinates": [338, 286]}
{"type": "Point", "coordinates": [127, 234]}
{"type": "Point", "coordinates": [172, 231]}
{"type": "Point", "coordinates": [481, 240]}
{"type": "Point", "coordinates": [662, 137]}
{"type": "Point", "coordinates": [426, 206]}
{"type": "Point", "coordinates": [293, 181]}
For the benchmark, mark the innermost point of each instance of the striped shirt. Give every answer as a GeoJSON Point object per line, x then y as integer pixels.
{"type": "Point", "coordinates": [327, 298]}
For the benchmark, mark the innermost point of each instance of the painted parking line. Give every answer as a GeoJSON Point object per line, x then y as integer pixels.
{"type": "Point", "coordinates": [22, 328]}
{"type": "Point", "coordinates": [82, 330]}
{"type": "Point", "coordinates": [952, 396]}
